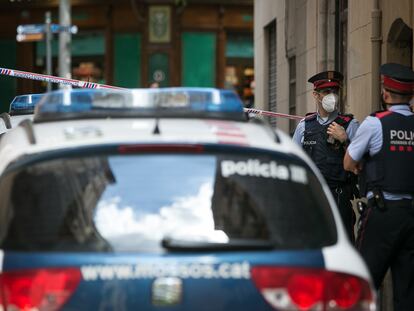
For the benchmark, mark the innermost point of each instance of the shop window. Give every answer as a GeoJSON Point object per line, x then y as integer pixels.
{"type": "Point", "coordinates": [88, 58]}
{"type": "Point", "coordinates": [87, 71]}
{"type": "Point", "coordinates": [248, 87]}
{"type": "Point", "coordinates": [231, 80]}
{"type": "Point", "coordinates": [239, 70]}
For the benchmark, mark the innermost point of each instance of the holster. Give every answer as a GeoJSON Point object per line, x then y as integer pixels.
{"type": "Point", "coordinates": [378, 199]}
{"type": "Point", "coordinates": [361, 206]}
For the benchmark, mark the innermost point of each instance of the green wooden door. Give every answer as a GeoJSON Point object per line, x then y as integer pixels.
{"type": "Point", "coordinates": [127, 60]}
{"type": "Point", "coordinates": [198, 59]}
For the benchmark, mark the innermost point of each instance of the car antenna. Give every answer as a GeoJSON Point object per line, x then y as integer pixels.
{"type": "Point", "coordinates": [156, 130]}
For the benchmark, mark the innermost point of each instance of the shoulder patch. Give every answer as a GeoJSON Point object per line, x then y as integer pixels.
{"type": "Point", "coordinates": [375, 112]}
{"type": "Point", "coordinates": [381, 114]}
{"type": "Point", "coordinates": [310, 116]}
{"type": "Point", "coordinates": [345, 117]}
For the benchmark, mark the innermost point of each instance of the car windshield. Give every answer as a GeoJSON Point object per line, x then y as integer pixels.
{"type": "Point", "coordinates": [132, 203]}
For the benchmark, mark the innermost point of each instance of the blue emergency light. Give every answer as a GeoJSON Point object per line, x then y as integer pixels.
{"type": "Point", "coordinates": [179, 102]}
{"type": "Point", "coordinates": [24, 104]}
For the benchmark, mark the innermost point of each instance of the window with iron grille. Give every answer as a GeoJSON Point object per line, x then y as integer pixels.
{"type": "Point", "coordinates": [272, 73]}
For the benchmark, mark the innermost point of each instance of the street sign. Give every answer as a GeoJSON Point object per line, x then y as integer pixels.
{"type": "Point", "coordinates": [30, 29]}
{"type": "Point", "coordinates": [32, 37]}
{"type": "Point", "coordinates": [42, 28]}
{"type": "Point", "coordinates": [39, 32]}
{"type": "Point", "coordinates": [55, 28]}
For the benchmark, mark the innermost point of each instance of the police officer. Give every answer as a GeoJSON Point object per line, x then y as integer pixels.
{"type": "Point", "coordinates": [325, 136]}
{"type": "Point", "coordinates": [383, 152]}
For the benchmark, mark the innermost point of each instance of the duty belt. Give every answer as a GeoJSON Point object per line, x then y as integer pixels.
{"type": "Point", "coordinates": [409, 203]}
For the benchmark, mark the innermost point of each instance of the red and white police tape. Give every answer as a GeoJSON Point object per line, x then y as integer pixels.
{"type": "Point", "coordinates": [272, 114]}
{"type": "Point", "coordinates": [92, 85]}
{"type": "Point", "coordinates": [53, 79]}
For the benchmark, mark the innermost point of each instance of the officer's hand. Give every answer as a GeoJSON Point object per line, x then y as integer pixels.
{"type": "Point", "coordinates": [337, 132]}
{"type": "Point", "coordinates": [358, 168]}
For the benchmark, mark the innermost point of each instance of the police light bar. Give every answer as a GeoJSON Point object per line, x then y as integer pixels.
{"type": "Point", "coordinates": [24, 104]}
{"type": "Point", "coordinates": [180, 102]}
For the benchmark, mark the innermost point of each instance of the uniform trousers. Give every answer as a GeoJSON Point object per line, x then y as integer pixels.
{"type": "Point", "coordinates": [386, 240]}
{"type": "Point", "coordinates": [343, 196]}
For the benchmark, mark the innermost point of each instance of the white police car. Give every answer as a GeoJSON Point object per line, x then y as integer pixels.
{"type": "Point", "coordinates": [167, 199]}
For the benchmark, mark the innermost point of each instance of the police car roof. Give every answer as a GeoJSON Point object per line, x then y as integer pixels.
{"type": "Point", "coordinates": [142, 116]}
{"type": "Point", "coordinates": [33, 138]}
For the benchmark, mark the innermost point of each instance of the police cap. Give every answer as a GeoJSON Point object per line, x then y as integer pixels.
{"type": "Point", "coordinates": [326, 80]}
{"type": "Point", "coordinates": [397, 78]}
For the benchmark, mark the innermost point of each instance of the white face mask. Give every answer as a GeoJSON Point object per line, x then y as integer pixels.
{"type": "Point", "coordinates": [329, 102]}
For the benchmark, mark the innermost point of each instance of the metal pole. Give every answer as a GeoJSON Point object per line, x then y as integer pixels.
{"type": "Point", "coordinates": [48, 20]}
{"type": "Point", "coordinates": [65, 41]}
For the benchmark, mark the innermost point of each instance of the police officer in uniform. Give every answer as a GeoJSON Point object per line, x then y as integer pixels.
{"type": "Point", "coordinates": [325, 135]}
{"type": "Point", "coordinates": [382, 152]}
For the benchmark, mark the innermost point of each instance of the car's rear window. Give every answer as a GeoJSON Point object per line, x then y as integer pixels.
{"type": "Point", "coordinates": [130, 203]}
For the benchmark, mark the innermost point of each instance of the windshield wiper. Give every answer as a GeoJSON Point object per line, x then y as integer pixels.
{"type": "Point", "coordinates": [233, 245]}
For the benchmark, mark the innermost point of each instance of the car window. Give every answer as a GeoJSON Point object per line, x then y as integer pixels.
{"type": "Point", "coordinates": [128, 203]}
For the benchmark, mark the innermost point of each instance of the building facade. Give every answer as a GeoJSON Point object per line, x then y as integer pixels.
{"type": "Point", "coordinates": [134, 43]}
{"type": "Point", "coordinates": [295, 39]}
